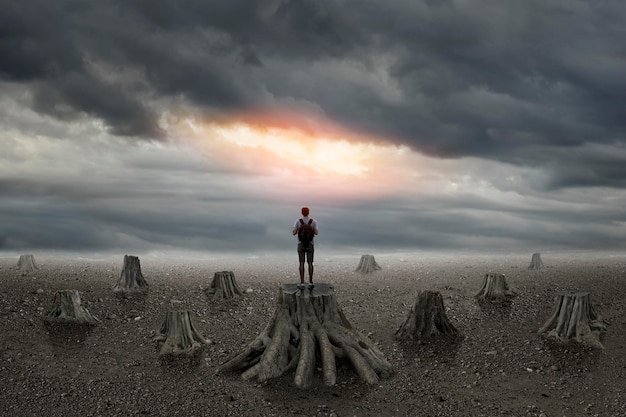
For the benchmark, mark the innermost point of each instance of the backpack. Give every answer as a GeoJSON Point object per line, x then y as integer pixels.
{"type": "Point", "coordinates": [306, 232]}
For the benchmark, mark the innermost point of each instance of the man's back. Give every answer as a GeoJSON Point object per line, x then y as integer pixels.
{"type": "Point", "coordinates": [306, 220]}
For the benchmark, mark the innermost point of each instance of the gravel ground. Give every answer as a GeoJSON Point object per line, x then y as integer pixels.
{"type": "Point", "coordinates": [500, 367]}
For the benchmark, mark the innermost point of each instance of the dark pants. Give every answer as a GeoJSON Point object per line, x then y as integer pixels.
{"type": "Point", "coordinates": [307, 251]}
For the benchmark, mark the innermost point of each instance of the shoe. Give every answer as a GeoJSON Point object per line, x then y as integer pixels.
{"type": "Point", "coordinates": [301, 286]}
{"type": "Point", "coordinates": [311, 285]}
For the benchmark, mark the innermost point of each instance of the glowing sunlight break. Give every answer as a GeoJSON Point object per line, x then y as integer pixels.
{"type": "Point", "coordinates": [328, 157]}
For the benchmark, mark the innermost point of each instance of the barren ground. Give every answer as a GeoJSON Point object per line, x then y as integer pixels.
{"type": "Point", "coordinates": [501, 367]}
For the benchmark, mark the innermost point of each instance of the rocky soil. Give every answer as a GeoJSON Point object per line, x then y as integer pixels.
{"type": "Point", "coordinates": [500, 367]}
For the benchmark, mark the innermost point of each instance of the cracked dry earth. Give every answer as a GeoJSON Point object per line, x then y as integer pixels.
{"type": "Point", "coordinates": [500, 367]}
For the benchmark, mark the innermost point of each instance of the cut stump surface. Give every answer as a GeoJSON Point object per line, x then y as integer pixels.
{"type": "Point", "coordinates": [308, 325]}
{"type": "Point", "coordinates": [131, 279]}
{"type": "Point", "coordinates": [224, 285]}
{"type": "Point", "coordinates": [494, 287]}
{"type": "Point", "coordinates": [574, 318]}
{"type": "Point", "coordinates": [26, 263]}
{"type": "Point", "coordinates": [367, 264]}
{"type": "Point", "coordinates": [179, 335]}
{"type": "Point", "coordinates": [536, 263]}
{"type": "Point", "coordinates": [67, 309]}
{"type": "Point", "coordinates": [427, 318]}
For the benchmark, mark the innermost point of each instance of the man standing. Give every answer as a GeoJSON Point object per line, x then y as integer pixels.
{"type": "Point", "coordinates": [306, 229]}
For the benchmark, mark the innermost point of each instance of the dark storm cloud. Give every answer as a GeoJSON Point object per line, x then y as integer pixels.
{"type": "Point", "coordinates": [498, 80]}
{"type": "Point", "coordinates": [471, 223]}
{"type": "Point", "coordinates": [40, 46]}
{"type": "Point", "coordinates": [79, 217]}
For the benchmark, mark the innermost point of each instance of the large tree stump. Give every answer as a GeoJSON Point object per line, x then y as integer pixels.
{"type": "Point", "coordinates": [306, 326]}
{"type": "Point", "coordinates": [367, 264]}
{"type": "Point", "coordinates": [535, 262]}
{"type": "Point", "coordinates": [574, 317]}
{"type": "Point", "coordinates": [224, 285]}
{"type": "Point", "coordinates": [179, 335]}
{"type": "Point", "coordinates": [427, 318]}
{"type": "Point", "coordinates": [494, 287]}
{"type": "Point", "coordinates": [67, 309]}
{"type": "Point", "coordinates": [131, 279]}
{"type": "Point", "coordinates": [26, 263]}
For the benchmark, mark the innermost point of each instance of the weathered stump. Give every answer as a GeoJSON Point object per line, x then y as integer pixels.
{"type": "Point", "coordinates": [367, 264]}
{"type": "Point", "coordinates": [427, 318]}
{"type": "Point", "coordinates": [494, 287]}
{"type": "Point", "coordinates": [131, 279]}
{"type": "Point", "coordinates": [179, 335]}
{"type": "Point", "coordinates": [27, 263]}
{"type": "Point", "coordinates": [306, 326]}
{"type": "Point", "coordinates": [535, 262]}
{"type": "Point", "coordinates": [574, 317]}
{"type": "Point", "coordinates": [67, 309]}
{"type": "Point", "coordinates": [224, 285]}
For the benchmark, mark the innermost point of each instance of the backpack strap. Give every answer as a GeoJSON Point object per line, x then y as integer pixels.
{"type": "Point", "coordinates": [310, 221]}
{"type": "Point", "coordinates": [301, 221]}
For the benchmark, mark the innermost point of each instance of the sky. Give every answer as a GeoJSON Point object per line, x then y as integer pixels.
{"type": "Point", "coordinates": [205, 125]}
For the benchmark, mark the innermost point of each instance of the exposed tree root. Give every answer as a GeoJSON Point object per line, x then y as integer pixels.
{"type": "Point", "coordinates": [308, 325]}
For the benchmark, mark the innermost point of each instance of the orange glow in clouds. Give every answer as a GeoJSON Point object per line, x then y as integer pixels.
{"type": "Point", "coordinates": [290, 151]}
{"type": "Point", "coordinates": [323, 156]}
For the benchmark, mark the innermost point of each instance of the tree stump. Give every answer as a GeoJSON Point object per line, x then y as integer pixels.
{"type": "Point", "coordinates": [427, 318]}
{"type": "Point", "coordinates": [494, 287]}
{"type": "Point", "coordinates": [131, 279]}
{"type": "Point", "coordinates": [224, 285]}
{"type": "Point", "coordinates": [367, 264]}
{"type": "Point", "coordinates": [179, 335]}
{"type": "Point", "coordinates": [309, 325]}
{"type": "Point", "coordinates": [67, 309]}
{"type": "Point", "coordinates": [26, 263]}
{"type": "Point", "coordinates": [535, 262]}
{"type": "Point", "coordinates": [574, 317]}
